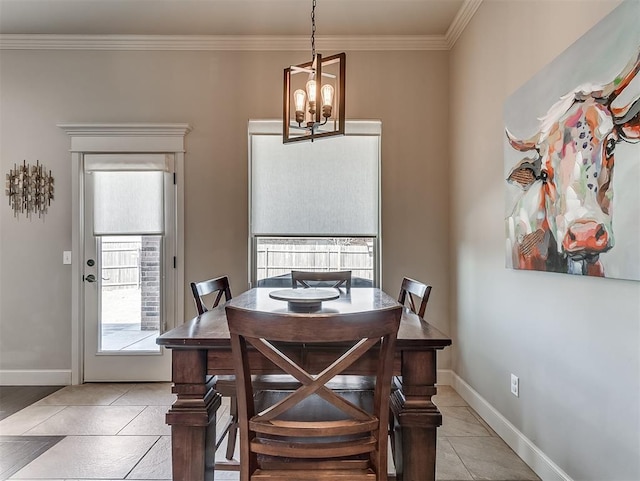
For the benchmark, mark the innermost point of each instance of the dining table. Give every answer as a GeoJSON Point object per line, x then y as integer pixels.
{"type": "Point", "coordinates": [201, 350]}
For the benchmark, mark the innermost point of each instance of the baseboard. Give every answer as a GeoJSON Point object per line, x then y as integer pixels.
{"type": "Point", "coordinates": [444, 377]}
{"type": "Point", "coordinates": [35, 377]}
{"type": "Point", "coordinates": [539, 462]}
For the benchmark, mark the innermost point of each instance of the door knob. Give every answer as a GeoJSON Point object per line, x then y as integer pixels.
{"type": "Point", "coordinates": [90, 278]}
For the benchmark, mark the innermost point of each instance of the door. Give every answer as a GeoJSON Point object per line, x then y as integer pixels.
{"type": "Point", "coordinates": [129, 249]}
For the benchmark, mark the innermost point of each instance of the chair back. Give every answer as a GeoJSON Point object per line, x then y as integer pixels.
{"type": "Point", "coordinates": [317, 279]}
{"type": "Point", "coordinates": [213, 287]}
{"type": "Point", "coordinates": [313, 428]}
{"type": "Point", "coordinates": [412, 292]}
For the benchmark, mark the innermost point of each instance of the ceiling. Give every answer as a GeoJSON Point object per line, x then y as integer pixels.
{"type": "Point", "coordinates": [349, 18]}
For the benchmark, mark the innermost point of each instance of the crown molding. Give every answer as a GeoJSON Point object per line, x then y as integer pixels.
{"type": "Point", "coordinates": [244, 42]}
{"type": "Point", "coordinates": [219, 42]}
{"type": "Point", "coordinates": [460, 22]}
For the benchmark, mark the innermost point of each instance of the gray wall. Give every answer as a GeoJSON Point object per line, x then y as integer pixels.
{"type": "Point", "coordinates": [573, 341]}
{"type": "Point", "coordinates": [217, 93]}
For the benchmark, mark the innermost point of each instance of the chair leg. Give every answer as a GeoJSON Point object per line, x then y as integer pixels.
{"type": "Point", "coordinates": [233, 427]}
{"type": "Point", "coordinates": [391, 433]}
{"type": "Point", "coordinates": [395, 435]}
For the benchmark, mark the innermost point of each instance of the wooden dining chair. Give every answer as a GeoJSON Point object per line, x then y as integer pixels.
{"type": "Point", "coordinates": [214, 289]}
{"type": "Point", "coordinates": [414, 295]}
{"type": "Point", "coordinates": [320, 279]}
{"type": "Point", "coordinates": [413, 292]}
{"type": "Point", "coordinates": [314, 432]}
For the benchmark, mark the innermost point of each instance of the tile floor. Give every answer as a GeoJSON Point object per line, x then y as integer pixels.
{"type": "Point", "coordinates": [117, 431]}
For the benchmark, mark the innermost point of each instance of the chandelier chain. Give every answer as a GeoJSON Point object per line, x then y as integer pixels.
{"type": "Point", "coordinates": [313, 30]}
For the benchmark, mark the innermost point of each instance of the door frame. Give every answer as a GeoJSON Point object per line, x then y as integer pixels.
{"type": "Point", "coordinates": [117, 138]}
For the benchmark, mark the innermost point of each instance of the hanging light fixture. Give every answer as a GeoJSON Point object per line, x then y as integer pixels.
{"type": "Point", "coordinates": [314, 95]}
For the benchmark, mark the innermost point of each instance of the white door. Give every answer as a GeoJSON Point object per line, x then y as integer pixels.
{"type": "Point", "coordinates": [128, 269]}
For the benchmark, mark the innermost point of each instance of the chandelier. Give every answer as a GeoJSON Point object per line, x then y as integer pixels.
{"type": "Point", "coordinates": [314, 95]}
{"type": "Point", "coordinates": [30, 189]}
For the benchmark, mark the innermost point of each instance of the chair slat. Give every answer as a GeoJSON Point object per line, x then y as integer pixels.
{"type": "Point", "coordinates": [273, 447]}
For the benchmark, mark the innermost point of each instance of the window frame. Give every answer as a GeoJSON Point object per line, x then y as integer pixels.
{"type": "Point", "coordinates": [371, 128]}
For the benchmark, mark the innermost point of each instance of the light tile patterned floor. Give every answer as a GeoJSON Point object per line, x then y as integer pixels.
{"type": "Point", "coordinates": [117, 431]}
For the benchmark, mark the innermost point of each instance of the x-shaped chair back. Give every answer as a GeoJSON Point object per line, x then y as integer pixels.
{"type": "Point", "coordinates": [412, 292]}
{"type": "Point", "coordinates": [218, 286]}
{"type": "Point", "coordinates": [358, 431]}
{"type": "Point", "coordinates": [339, 278]}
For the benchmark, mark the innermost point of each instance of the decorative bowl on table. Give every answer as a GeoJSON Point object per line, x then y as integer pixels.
{"type": "Point", "coordinates": [305, 300]}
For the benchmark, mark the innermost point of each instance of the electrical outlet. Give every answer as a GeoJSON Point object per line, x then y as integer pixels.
{"type": "Point", "coordinates": [515, 385]}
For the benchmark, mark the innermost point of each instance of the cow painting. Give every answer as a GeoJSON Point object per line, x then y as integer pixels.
{"type": "Point", "coordinates": [562, 221]}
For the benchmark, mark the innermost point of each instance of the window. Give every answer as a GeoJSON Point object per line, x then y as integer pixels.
{"type": "Point", "coordinates": [314, 206]}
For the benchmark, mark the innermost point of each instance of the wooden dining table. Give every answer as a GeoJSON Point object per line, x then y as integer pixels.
{"type": "Point", "coordinates": [201, 350]}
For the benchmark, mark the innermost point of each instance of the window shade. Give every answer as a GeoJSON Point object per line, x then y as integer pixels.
{"type": "Point", "coordinates": [128, 192]}
{"type": "Point", "coordinates": [128, 203]}
{"type": "Point", "coordinates": [329, 187]}
{"type": "Point", "coordinates": [128, 162]}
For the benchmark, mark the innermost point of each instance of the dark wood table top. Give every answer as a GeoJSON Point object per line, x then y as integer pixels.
{"type": "Point", "coordinates": [210, 329]}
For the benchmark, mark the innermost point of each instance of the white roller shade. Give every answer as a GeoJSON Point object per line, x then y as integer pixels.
{"type": "Point", "coordinates": [330, 187]}
{"type": "Point", "coordinates": [128, 162]}
{"type": "Point", "coordinates": [128, 192]}
{"type": "Point", "coordinates": [128, 203]}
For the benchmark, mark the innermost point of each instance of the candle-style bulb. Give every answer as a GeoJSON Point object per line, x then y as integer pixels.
{"type": "Point", "coordinates": [327, 92]}
{"type": "Point", "coordinates": [299, 100]}
{"type": "Point", "coordinates": [311, 94]}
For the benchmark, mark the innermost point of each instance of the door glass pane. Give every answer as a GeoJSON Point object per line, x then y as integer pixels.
{"type": "Point", "coordinates": [129, 293]}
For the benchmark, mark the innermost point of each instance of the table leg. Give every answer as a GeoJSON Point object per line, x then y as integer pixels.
{"type": "Point", "coordinates": [416, 418]}
{"type": "Point", "coordinates": [192, 417]}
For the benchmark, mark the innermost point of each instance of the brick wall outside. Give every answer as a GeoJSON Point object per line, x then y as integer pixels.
{"type": "Point", "coordinates": [150, 283]}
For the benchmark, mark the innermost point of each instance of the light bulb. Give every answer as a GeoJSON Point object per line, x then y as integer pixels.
{"type": "Point", "coordinates": [311, 94]}
{"type": "Point", "coordinates": [327, 99]}
{"type": "Point", "coordinates": [299, 100]}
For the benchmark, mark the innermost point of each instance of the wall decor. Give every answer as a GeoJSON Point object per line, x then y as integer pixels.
{"type": "Point", "coordinates": [566, 131]}
{"type": "Point", "coordinates": [30, 189]}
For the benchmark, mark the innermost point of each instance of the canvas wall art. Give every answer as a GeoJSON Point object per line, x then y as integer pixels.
{"type": "Point", "coordinates": [572, 157]}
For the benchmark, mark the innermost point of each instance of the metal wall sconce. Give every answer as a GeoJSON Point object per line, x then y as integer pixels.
{"type": "Point", "coordinates": [30, 189]}
{"type": "Point", "coordinates": [313, 103]}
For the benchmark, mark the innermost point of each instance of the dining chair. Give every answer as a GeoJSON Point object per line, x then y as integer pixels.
{"type": "Point", "coordinates": [414, 295]}
{"type": "Point", "coordinates": [319, 279]}
{"type": "Point", "coordinates": [313, 432]}
{"type": "Point", "coordinates": [225, 385]}
{"type": "Point", "coordinates": [412, 292]}
{"type": "Point", "coordinates": [214, 289]}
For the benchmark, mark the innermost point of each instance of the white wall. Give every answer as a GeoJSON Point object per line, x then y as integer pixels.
{"type": "Point", "coordinates": [573, 341]}
{"type": "Point", "coordinates": [217, 93]}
